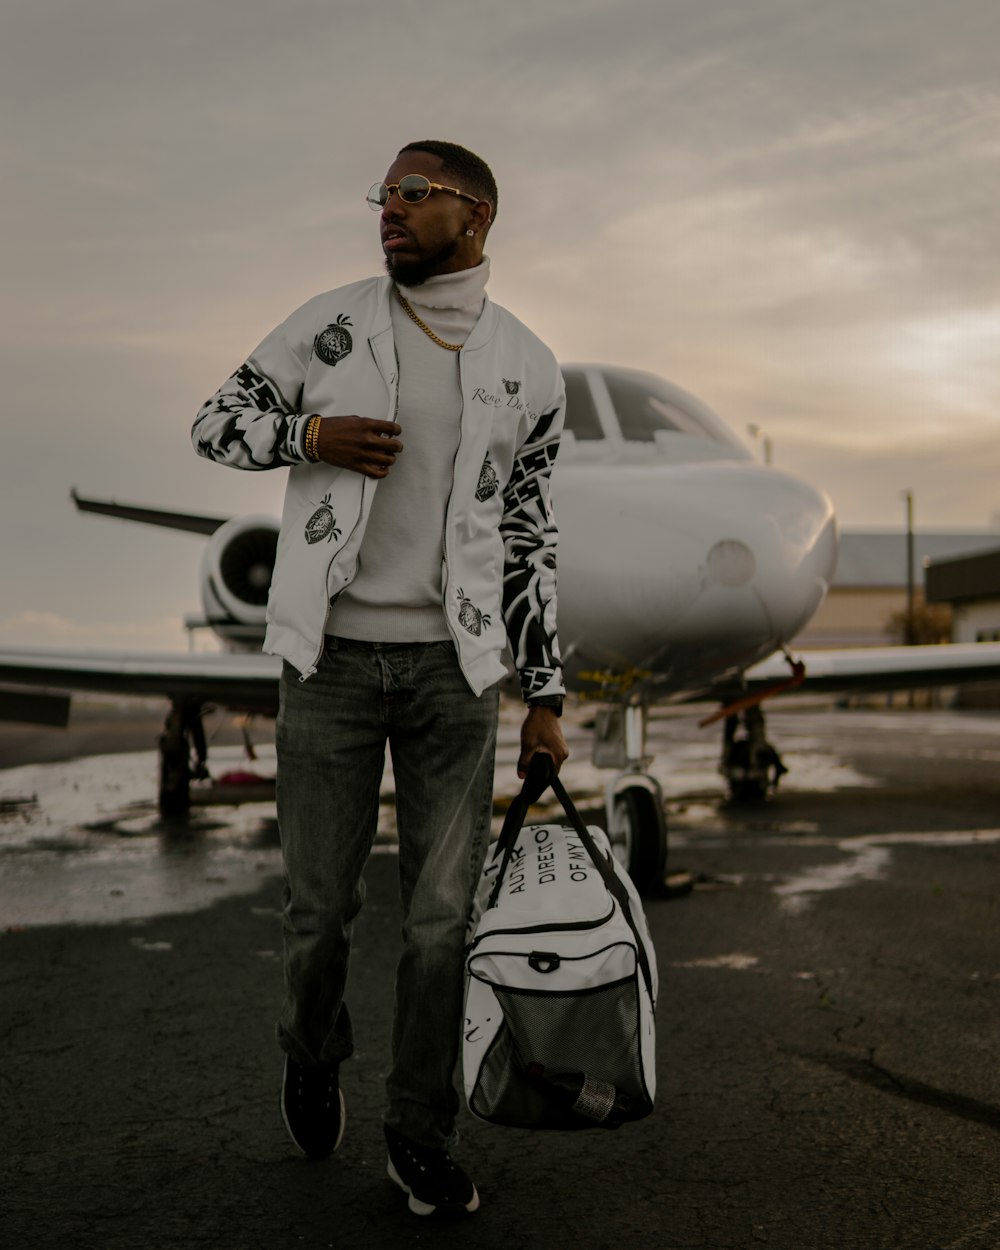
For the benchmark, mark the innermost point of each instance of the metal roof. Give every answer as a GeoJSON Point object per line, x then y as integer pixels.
{"type": "Point", "coordinates": [877, 558]}
{"type": "Point", "coordinates": [965, 578]}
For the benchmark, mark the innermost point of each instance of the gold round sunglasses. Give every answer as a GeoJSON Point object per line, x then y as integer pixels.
{"type": "Point", "coordinates": [411, 189]}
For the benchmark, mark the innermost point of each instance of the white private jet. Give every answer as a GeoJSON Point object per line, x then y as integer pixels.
{"type": "Point", "coordinates": [686, 569]}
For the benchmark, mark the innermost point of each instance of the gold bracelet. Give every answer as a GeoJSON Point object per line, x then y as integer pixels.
{"type": "Point", "coordinates": [312, 438]}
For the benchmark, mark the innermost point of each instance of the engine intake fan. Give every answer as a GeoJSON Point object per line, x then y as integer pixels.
{"type": "Point", "coordinates": [236, 576]}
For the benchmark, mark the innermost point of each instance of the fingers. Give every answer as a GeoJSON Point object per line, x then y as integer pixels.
{"type": "Point", "coordinates": [381, 427]}
{"type": "Point", "coordinates": [541, 732]}
{"type": "Point", "coordinates": [524, 759]}
{"type": "Point", "coordinates": [379, 439]}
{"type": "Point", "coordinates": [385, 432]}
{"type": "Point", "coordinates": [381, 458]}
{"type": "Point", "coordinates": [363, 444]}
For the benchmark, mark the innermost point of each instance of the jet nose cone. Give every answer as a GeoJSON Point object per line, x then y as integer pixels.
{"type": "Point", "coordinates": [686, 567]}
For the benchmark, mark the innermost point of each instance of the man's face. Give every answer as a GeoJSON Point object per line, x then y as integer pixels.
{"type": "Point", "coordinates": [425, 239]}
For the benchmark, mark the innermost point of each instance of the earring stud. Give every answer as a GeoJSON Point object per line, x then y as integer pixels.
{"type": "Point", "coordinates": [470, 232]}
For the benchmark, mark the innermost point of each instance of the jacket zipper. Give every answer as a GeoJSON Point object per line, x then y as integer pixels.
{"type": "Point", "coordinates": [446, 588]}
{"type": "Point", "coordinates": [394, 392]}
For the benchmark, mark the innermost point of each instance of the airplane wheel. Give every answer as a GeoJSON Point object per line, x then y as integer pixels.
{"type": "Point", "coordinates": [752, 790]}
{"type": "Point", "coordinates": [638, 836]}
{"type": "Point", "coordinates": [175, 799]}
{"type": "Point", "coordinates": [746, 785]}
{"type": "Point", "coordinates": [175, 767]}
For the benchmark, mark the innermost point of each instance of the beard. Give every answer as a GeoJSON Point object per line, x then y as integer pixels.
{"type": "Point", "coordinates": [416, 272]}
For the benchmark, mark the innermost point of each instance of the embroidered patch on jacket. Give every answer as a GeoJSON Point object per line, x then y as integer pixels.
{"type": "Point", "coordinates": [335, 342]}
{"type": "Point", "coordinates": [488, 482]}
{"type": "Point", "coordinates": [322, 524]}
{"type": "Point", "coordinates": [512, 387]}
{"type": "Point", "coordinates": [469, 616]}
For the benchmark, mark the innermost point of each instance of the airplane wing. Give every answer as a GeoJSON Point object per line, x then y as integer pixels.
{"type": "Point", "coordinates": [249, 681]}
{"type": "Point", "coordinates": [241, 681]}
{"type": "Point", "coordinates": [884, 668]}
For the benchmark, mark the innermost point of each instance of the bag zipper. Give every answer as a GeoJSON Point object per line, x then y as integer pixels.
{"type": "Point", "coordinates": [633, 978]}
{"type": "Point", "coordinates": [549, 928]}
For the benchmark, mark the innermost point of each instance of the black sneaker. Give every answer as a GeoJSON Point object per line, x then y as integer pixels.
{"type": "Point", "coordinates": [430, 1176]}
{"type": "Point", "coordinates": [312, 1107]}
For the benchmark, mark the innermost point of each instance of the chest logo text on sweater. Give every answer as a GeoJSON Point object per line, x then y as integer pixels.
{"type": "Point", "coordinates": [335, 342]}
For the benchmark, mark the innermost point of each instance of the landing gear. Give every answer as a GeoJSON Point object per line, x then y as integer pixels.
{"type": "Point", "coordinates": [638, 833]}
{"type": "Point", "coordinates": [183, 737]}
{"type": "Point", "coordinates": [636, 824]}
{"type": "Point", "coordinates": [749, 763]}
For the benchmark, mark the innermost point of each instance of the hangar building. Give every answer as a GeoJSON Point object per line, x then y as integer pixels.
{"type": "Point", "coordinates": [970, 584]}
{"type": "Point", "coordinates": [869, 585]}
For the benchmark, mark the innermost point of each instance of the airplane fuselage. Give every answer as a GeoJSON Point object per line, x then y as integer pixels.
{"type": "Point", "coordinates": [681, 559]}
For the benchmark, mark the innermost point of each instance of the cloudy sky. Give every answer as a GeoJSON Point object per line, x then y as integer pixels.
{"type": "Point", "coordinates": [789, 207]}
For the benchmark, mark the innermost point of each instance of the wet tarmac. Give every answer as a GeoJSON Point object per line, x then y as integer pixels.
{"type": "Point", "coordinates": [827, 1024]}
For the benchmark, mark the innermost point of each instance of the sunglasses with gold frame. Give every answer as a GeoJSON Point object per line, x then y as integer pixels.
{"type": "Point", "coordinates": [411, 189]}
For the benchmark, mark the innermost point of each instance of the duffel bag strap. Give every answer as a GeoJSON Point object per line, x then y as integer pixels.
{"type": "Point", "coordinates": [611, 879]}
{"type": "Point", "coordinates": [541, 771]}
{"type": "Point", "coordinates": [542, 774]}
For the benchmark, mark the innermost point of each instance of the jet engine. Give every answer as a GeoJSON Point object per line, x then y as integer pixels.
{"type": "Point", "coordinates": [235, 578]}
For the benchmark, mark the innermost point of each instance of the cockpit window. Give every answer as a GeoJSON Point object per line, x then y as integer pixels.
{"type": "Point", "coordinates": [645, 404]}
{"type": "Point", "coordinates": [581, 415]}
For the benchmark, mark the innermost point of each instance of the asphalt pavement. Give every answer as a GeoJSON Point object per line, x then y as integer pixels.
{"type": "Point", "coordinates": [827, 1024]}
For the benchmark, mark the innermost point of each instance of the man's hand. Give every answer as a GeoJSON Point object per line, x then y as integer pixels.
{"type": "Point", "coordinates": [541, 731]}
{"type": "Point", "coordinates": [361, 444]}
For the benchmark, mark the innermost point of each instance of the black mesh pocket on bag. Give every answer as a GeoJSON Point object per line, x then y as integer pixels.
{"type": "Point", "coordinates": [592, 1035]}
{"type": "Point", "coordinates": [504, 1095]}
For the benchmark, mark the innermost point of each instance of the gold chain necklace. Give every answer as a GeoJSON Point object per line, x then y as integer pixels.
{"type": "Point", "coordinates": [451, 347]}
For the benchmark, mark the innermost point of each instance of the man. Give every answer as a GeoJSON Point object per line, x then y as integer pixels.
{"type": "Point", "coordinates": [420, 422]}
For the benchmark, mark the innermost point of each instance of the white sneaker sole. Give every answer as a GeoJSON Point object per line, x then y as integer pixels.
{"type": "Point", "coordinates": [425, 1208]}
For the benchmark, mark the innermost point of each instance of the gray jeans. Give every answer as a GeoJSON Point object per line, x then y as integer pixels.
{"type": "Point", "coordinates": [331, 736]}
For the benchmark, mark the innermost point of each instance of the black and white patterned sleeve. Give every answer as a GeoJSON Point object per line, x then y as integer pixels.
{"type": "Point", "coordinates": [253, 420]}
{"type": "Point", "coordinates": [529, 533]}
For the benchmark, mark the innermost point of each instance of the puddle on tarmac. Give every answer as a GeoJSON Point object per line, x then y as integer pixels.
{"type": "Point", "coordinates": [864, 858]}
{"type": "Point", "coordinates": [863, 863]}
{"type": "Point", "coordinates": [82, 841]}
{"type": "Point", "coordinates": [92, 847]}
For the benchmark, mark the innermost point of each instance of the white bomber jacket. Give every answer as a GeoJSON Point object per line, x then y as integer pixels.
{"type": "Point", "coordinates": [336, 356]}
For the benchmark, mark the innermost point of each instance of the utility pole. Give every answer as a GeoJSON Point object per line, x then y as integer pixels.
{"type": "Point", "coordinates": [910, 592]}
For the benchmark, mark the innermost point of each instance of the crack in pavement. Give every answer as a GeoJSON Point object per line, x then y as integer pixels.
{"type": "Point", "coordinates": [968, 1238]}
{"type": "Point", "coordinates": [870, 1073]}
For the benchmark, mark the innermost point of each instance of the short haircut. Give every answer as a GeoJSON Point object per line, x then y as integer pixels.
{"type": "Point", "coordinates": [476, 175]}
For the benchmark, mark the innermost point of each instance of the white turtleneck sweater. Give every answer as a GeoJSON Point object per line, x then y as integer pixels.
{"type": "Point", "coordinates": [396, 595]}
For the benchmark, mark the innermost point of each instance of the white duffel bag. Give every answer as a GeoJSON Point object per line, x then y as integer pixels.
{"type": "Point", "coordinates": [561, 978]}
